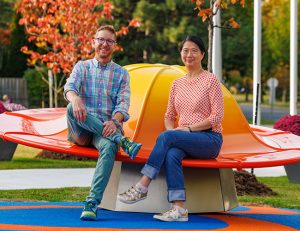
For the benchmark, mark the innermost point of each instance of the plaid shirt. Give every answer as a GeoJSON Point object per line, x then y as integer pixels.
{"type": "Point", "coordinates": [104, 89]}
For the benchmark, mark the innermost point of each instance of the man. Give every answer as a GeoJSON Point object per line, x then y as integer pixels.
{"type": "Point", "coordinates": [98, 92]}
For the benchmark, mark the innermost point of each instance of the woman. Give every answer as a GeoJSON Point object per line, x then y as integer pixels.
{"type": "Point", "coordinates": [197, 100]}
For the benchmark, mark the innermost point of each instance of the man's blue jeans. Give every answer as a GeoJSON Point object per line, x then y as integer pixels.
{"type": "Point", "coordinates": [171, 147]}
{"type": "Point", "coordinates": [88, 133]}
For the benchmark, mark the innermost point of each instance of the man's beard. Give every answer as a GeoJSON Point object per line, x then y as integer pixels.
{"type": "Point", "coordinates": [106, 55]}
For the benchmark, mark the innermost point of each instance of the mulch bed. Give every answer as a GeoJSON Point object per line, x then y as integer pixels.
{"type": "Point", "coordinates": [245, 182]}
{"type": "Point", "coordinates": [44, 154]}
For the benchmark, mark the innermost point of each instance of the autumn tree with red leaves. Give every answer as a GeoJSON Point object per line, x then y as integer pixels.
{"type": "Point", "coordinates": [209, 10]}
{"type": "Point", "coordinates": [61, 32]}
{"type": "Point", "coordinates": [5, 36]}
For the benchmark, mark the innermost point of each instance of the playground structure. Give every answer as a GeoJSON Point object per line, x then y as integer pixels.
{"type": "Point", "coordinates": [209, 183]}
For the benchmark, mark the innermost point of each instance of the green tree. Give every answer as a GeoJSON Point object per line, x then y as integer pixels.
{"type": "Point", "coordinates": [276, 43]}
{"type": "Point", "coordinates": [61, 32]}
{"type": "Point", "coordinates": [14, 61]}
{"type": "Point", "coordinates": [164, 25]}
{"type": "Point", "coordinates": [6, 12]}
{"type": "Point", "coordinates": [37, 88]}
{"type": "Point", "coordinates": [207, 11]}
{"type": "Point", "coordinates": [237, 44]}
{"type": "Point", "coordinates": [237, 49]}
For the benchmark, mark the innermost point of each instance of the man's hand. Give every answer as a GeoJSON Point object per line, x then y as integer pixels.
{"type": "Point", "coordinates": [109, 128]}
{"type": "Point", "coordinates": [79, 110]}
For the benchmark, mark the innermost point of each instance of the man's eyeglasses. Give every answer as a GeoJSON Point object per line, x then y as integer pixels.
{"type": "Point", "coordinates": [101, 41]}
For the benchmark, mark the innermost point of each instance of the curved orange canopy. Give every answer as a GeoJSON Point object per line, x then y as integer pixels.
{"type": "Point", "coordinates": [244, 146]}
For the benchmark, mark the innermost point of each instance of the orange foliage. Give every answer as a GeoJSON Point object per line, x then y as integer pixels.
{"type": "Point", "coordinates": [208, 13]}
{"type": "Point", "coordinates": [63, 30]}
{"type": "Point", "coordinates": [135, 22]}
{"type": "Point", "coordinates": [198, 2]}
{"type": "Point", "coordinates": [205, 13]}
{"type": "Point", "coordinates": [123, 31]}
{"type": "Point", "coordinates": [5, 36]}
{"type": "Point", "coordinates": [242, 2]}
{"type": "Point", "coordinates": [233, 23]}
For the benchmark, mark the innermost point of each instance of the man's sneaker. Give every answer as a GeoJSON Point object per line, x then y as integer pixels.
{"type": "Point", "coordinates": [89, 212]}
{"type": "Point", "coordinates": [172, 215]}
{"type": "Point", "coordinates": [132, 195]}
{"type": "Point", "coordinates": [130, 147]}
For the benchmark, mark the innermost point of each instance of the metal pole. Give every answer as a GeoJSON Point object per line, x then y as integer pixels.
{"type": "Point", "coordinates": [293, 56]}
{"type": "Point", "coordinates": [256, 105]}
{"type": "Point", "coordinates": [256, 64]}
{"type": "Point", "coordinates": [257, 60]}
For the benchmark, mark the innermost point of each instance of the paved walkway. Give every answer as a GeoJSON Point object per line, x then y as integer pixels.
{"type": "Point", "coordinates": [267, 112]}
{"type": "Point", "coordinates": [45, 178]}
{"type": "Point", "coordinates": [74, 177]}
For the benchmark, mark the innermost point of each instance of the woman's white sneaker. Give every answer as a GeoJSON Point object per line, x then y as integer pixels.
{"type": "Point", "coordinates": [173, 215]}
{"type": "Point", "coordinates": [132, 195]}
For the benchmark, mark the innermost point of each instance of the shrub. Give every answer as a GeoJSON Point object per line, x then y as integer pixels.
{"type": "Point", "coordinates": [289, 123]}
{"type": "Point", "coordinates": [37, 89]}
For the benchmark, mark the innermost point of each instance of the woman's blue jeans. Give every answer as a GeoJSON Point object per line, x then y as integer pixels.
{"type": "Point", "coordinates": [171, 147]}
{"type": "Point", "coordinates": [88, 133]}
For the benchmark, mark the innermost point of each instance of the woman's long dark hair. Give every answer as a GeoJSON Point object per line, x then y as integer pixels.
{"type": "Point", "coordinates": [195, 39]}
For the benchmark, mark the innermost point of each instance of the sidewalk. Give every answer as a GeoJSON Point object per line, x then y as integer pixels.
{"type": "Point", "coordinates": [45, 178]}
{"type": "Point", "coordinates": [76, 177]}
{"type": "Point", "coordinates": [267, 112]}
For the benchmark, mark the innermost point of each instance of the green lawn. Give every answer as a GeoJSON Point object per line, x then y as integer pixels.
{"type": "Point", "coordinates": [288, 194]}
{"type": "Point", "coordinates": [62, 194]}
{"type": "Point", "coordinates": [28, 163]}
{"type": "Point", "coordinates": [26, 152]}
{"type": "Point", "coordinates": [24, 159]}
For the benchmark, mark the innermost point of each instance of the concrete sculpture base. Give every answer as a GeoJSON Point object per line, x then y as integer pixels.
{"type": "Point", "coordinates": [7, 150]}
{"type": "Point", "coordinates": [293, 172]}
{"type": "Point", "coordinates": [207, 189]}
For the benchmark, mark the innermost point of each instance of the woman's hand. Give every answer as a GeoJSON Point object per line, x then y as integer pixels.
{"type": "Point", "coordinates": [169, 124]}
{"type": "Point", "coordinates": [185, 129]}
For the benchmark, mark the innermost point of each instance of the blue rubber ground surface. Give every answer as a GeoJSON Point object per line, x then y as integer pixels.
{"type": "Point", "coordinates": [65, 216]}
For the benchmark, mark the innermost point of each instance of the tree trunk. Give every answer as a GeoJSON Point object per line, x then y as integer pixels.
{"type": "Point", "coordinates": [55, 91]}
{"type": "Point", "coordinates": [210, 39]}
{"type": "Point", "coordinates": [50, 81]}
{"type": "Point", "coordinates": [209, 50]}
{"type": "Point", "coordinates": [145, 51]}
{"type": "Point", "coordinates": [247, 96]}
{"type": "Point", "coordinates": [284, 96]}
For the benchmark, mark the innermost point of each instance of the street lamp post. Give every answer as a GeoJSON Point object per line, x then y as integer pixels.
{"type": "Point", "coordinates": [257, 62]}
{"type": "Point", "coordinates": [293, 56]}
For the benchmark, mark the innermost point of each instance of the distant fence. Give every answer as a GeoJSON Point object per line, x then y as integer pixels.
{"type": "Point", "coordinates": [15, 88]}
